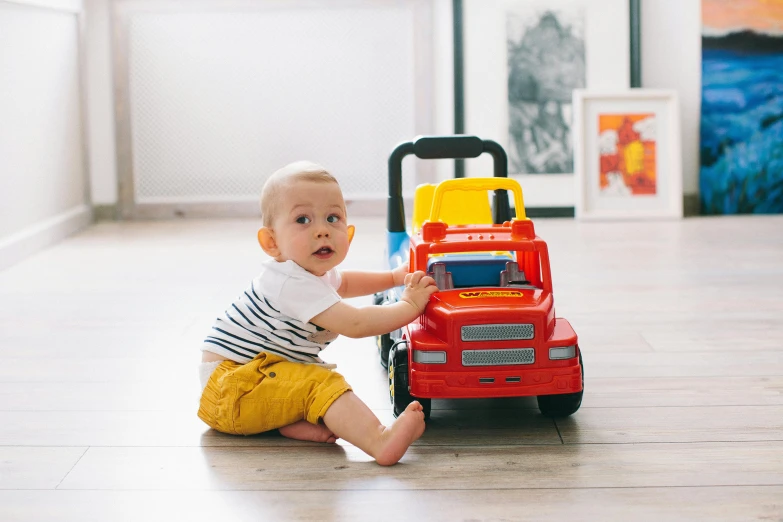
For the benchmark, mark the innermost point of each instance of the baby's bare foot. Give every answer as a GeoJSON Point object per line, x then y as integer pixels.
{"type": "Point", "coordinates": [303, 430]}
{"type": "Point", "coordinates": [399, 436]}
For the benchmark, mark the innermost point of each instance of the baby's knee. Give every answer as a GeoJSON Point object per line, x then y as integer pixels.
{"type": "Point", "coordinates": [328, 388]}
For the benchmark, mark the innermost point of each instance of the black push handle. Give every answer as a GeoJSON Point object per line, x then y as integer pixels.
{"type": "Point", "coordinates": [444, 147]}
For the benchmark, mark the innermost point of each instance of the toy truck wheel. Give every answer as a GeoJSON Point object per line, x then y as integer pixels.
{"type": "Point", "coordinates": [564, 404]}
{"type": "Point", "coordinates": [384, 342]}
{"type": "Point", "coordinates": [398, 381]}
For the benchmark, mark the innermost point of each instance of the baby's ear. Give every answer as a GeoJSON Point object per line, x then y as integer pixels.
{"type": "Point", "coordinates": [351, 232]}
{"type": "Point", "coordinates": [266, 238]}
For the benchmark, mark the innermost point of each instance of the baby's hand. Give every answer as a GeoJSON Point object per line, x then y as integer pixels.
{"type": "Point", "coordinates": [418, 289]}
{"type": "Point", "coordinates": [399, 273]}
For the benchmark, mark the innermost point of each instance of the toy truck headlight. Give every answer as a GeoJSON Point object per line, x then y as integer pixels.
{"type": "Point", "coordinates": [563, 352]}
{"type": "Point", "coordinates": [428, 357]}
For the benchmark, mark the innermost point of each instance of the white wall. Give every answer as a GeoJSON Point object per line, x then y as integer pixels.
{"type": "Point", "coordinates": [671, 58]}
{"type": "Point", "coordinates": [43, 185]}
{"type": "Point", "coordinates": [101, 94]}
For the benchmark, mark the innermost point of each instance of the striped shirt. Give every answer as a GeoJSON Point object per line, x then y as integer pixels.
{"type": "Point", "coordinates": [273, 314]}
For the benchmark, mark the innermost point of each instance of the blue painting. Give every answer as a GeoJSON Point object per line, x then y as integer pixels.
{"type": "Point", "coordinates": [742, 107]}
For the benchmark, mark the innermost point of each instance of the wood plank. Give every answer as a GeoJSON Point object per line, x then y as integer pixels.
{"type": "Point", "coordinates": [692, 504]}
{"type": "Point", "coordinates": [600, 393]}
{"type": "Point", "coordinates": [626, 338]}
{"type": "Point", "coordinates": [684, 364]}
{"type": "Point", "coordinates": [119, 369]}
{"type": "Point", "coordinates": [673, 424]}
{"type": "Point", "coordinates": [132, 428]}
{"type": "Point", "coordinates": [35, 468]}
{"type": "Point", "coordinates": [705, 335]}
{"type": "Point", "coordinates": [98, 396]}
{"type": "Point", "coordinates": [711, 336]}
{"type": "Point", "coordinates": [620, 309]}
{"type": "Point", "coordinates": [96, 339]}
{"type": "Point", "coordinates": [462, 427]}
{"type": "Point", "coordinates": [179, 428]}
{"type": "Point", "coordinates": [683, 391]}
{"type": "Point", "coordinates": [343, 467]}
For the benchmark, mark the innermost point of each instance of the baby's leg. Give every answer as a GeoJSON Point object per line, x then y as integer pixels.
{"type": "Point", "coordinates": [350, 419]}
{"type": "Point", "coordinates": [303, 430]}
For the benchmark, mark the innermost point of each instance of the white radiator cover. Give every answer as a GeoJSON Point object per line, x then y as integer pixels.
{"type": "Point", "coordinates": [219, 100]}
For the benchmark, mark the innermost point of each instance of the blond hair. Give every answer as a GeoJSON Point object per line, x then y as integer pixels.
{"type": "Point", "coordinates": [297, 171]}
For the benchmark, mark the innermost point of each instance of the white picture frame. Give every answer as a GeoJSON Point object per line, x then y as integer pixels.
{"type": "Point", "coordinates": [606, 36]}
{"type": "Point", "coordinates": [627, 155]}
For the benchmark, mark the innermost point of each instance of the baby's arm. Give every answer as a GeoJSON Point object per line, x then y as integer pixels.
{"type": "Point", "coordinates": [368, 321]}
{"type": "Point", "coordinates": [356, 283]}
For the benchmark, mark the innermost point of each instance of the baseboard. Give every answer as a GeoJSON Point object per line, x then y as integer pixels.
{"type": "Point", "coordinates": [363, 208]}
{"type": "Point", "coordinates": [549, 212]}
{"type": "Point", "coordinates": [197, 210]}
{"type": "Point", "coordinates": [691, 205]}
{"type": "Point", "coordinates": [105, 213]}
{"type": "Point", "coordinates": [34, 238]}
{"type": "Point", "coordinates": [233, 209]}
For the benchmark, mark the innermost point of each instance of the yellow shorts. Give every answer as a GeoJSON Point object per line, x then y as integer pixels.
{"type": "Point", "coordinates": [267, 393]}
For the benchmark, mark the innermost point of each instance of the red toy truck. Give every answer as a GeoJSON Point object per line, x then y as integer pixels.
{"type": "Point", "coordinates": [490, 330]}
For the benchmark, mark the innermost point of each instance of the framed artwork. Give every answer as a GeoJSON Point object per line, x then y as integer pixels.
{"type": "Point", "coordinates": [627, 156]}
{"type": "Point", "coordinates": [522, 60]}
{"type": "Point", "coordinates": [741, 169]}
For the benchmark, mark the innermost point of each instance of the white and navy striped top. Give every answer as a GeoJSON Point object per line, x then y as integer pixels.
{"type": "Point", "coordinates": [273, 315]}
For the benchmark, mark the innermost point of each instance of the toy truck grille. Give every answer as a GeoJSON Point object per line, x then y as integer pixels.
{"type": "Point", "coordinates": [498, 357]}
{"type": "Point", "coordinates": [498, 332]}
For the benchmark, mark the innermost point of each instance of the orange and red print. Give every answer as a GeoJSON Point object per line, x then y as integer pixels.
{"type": "Point", "coordinates": [627, 148]}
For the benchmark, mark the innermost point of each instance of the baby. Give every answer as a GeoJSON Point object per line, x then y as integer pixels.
{"type": "Point", "coordinates": [260, 367]}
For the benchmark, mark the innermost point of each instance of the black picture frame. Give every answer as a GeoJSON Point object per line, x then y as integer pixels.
{"type": "Point", "coordinates": [636, 43]}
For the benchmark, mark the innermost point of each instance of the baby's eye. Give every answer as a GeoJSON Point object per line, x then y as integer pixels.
{"type": "Point", "coordinates": [303, 220]}
{"type": "Point", "coordinates": [334, 218]}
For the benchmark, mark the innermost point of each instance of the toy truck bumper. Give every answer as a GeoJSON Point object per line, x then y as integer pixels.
{"type": "Point", "coordinates": [492, 382]}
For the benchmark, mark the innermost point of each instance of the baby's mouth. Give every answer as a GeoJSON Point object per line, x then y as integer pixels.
{"type": "Point", "coordinates": [323, 252]}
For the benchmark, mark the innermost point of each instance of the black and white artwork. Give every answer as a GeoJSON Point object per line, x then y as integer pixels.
{"type": "Point", "coordinates": [546, 62]}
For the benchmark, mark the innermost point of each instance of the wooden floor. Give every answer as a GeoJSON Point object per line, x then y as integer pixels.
{"type": "Point", "coordinates": [680, 323]}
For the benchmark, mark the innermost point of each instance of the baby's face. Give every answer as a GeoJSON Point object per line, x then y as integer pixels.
{"type": "Point", "coordinates": [311, 227]}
